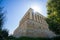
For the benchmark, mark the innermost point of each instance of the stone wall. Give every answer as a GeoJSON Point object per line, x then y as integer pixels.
{"type": "Point", "coordinates": [33, 24]}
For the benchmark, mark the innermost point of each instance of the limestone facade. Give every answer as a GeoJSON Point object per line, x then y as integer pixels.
{"type": "Point", "coordinates": [33, 24]}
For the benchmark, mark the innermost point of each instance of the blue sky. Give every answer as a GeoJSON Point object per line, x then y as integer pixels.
{"type": "Point", "coordinates": [15, 10]}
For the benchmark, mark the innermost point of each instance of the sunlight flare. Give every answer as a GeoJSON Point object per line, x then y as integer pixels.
{"type": "Point", "coordinates": [36, 8]}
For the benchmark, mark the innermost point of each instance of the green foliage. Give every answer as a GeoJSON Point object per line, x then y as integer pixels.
{"type": "Point", "coordinates": [53, 19]}
{"type": "Point", "coordinates": [38, 38]}
{"type": "Point", "coordinates": [56, 38]}
{"type": "Point", "coordinates": [30, 38]}
{"type": "Point", "coordinates": [11, 38]}
{"type": "Point", "coordinates": [3, 32]}
{"type": "Point", "coordinates": [1, 19]}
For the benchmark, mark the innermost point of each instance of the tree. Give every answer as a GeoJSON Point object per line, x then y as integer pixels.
{"type": "Point", "coordinates": [1, 20]}
{"type": "Point", "coordinates": [3, 32]}
{"type": "Point", "coordinates": [53, 19]}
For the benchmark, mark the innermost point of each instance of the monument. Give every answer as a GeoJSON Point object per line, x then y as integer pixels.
{"type": "Point", "coordinates": [33, 24]}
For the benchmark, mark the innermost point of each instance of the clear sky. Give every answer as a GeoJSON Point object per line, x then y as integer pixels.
{"type": "Point", "coordinates": [15, 10]}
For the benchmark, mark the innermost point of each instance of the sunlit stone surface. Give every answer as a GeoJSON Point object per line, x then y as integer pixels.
{"type": "Point", "coordinates": [33, 24]}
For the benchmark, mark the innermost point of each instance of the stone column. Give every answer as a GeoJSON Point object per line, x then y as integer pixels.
{"type": "Point", "coordinates": [34, 17]}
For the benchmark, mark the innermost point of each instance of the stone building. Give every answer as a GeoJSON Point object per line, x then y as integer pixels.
{"type": "Point", "coordinates": [33, 24]}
